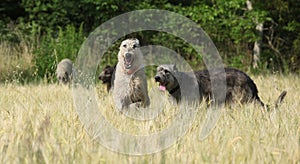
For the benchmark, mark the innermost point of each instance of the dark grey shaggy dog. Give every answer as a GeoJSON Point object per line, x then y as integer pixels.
{"type": "Point", "coordinates": [239, 86]}
{"type": "Point", "coordinates": [107, 76]}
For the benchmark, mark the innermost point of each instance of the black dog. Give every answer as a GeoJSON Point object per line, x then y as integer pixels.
{"type": "Point", "coordinates": [107, 76]}
{"type": "Point", "coordinates": [239, 86]}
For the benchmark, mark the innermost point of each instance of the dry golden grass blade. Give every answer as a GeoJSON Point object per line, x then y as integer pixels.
{"type": "Point", "coordinates": [39, 124]}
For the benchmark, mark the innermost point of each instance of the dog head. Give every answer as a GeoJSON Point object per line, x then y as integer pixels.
{"type": "Point", "coordinates": [106, 74]}
{"type": "Point", "coordinates": [165, 76]}
{"type": "Point", "coordinates": [63, 77]}
{"type": "Point", "coordinates": [64, 71]}
{"type": "Point", "coordinates": [129, 55]}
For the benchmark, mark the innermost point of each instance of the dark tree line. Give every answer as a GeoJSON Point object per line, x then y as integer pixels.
{"type": "Point", "coordinates": [232, 25]}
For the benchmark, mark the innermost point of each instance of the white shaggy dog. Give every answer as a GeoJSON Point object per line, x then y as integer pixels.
{"type": "Point", "coordinates": [130, 85]}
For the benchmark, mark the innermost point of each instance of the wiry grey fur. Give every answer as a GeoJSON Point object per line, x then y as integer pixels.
{"type": "Point", "coordinates": [130, 85]}
{"type": "Point", "coordinates": [64, 71]}
{"type": "Point", "coordinates": [239, 86]}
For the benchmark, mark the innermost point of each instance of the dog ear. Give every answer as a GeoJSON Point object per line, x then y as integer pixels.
{"type": "Point", "coordinates": [175, 68]}
{"type": "Point", "coordinates": [137, 43]}
{"type": "Point", "coordinates": [123, 44]}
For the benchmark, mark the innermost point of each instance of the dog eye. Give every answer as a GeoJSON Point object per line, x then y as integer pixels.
{"type": "Point", "coordinates": [134, 46]}
{"type": "Point", "coordinates": [124, 45]}
{"type": "Point", "coordinates": [166, 71]}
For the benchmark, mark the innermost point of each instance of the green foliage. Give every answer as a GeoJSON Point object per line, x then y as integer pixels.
{"type": "Point", "coordinates": [236, 61]}
{"type": "Point", "coordinates": [57, 29]}
{"type": "Point", "coordinates": [55, 46]}
{"type": "Point", "coordinates": [230, 25]}
{"type": "Point", "coordinates": [16, 64]}
{"type": "Point", "coordinates": [281, 34]}
{"type": "Point", "coordinates": [6, 34]}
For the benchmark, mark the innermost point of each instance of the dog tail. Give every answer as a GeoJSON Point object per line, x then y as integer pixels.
{"type": "Point", "coordinates": [277, 102]}
{"type": "Point", "coordinates": [280, 99]}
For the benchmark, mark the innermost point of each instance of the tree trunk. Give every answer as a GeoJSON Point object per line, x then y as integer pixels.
{"type": "Point", "coordinates": [257, 46]}
{"type": "Point", "coordinates": [258, 43]}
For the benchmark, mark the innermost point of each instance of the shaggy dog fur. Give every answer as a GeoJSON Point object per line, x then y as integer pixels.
{"type": "Point", "coordinates": [107, 76]}
{"type": "Point", "coordinates": [130, 85]}
{"type": "Point", "coordinates": [64, 71]}
{"type": "Point", "coordinates": [239, 86]}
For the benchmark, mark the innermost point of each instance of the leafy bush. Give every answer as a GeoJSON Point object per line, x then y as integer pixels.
{"type": "Point", "coordinates": [55, 29]}
{"type": "Point", "coordinates": [55, 46]}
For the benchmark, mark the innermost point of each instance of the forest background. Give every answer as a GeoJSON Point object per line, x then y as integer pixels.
{"type": "Point", "coordinates": [257, 36]}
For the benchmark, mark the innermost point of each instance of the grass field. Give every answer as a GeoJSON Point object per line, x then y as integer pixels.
{"type": "Point", "coordinates": [39, 124]}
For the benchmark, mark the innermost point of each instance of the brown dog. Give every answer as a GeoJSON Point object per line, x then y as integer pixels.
{"type": "Point", "coordinates": [239, 86]}
{"type": "Point", "coordinates": [107, 76]}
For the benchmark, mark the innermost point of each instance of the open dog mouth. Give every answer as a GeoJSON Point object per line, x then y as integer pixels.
{"type": "Point", "coordinates": [162, 86]}
{"type": "Point", "coordinates": [128, 60]}
{"type": "Point", "coordinates": [105, 81]}
{"type": "Point", "coordinates": [162, 83]}
{"type": "Point", "coordinates": [105, 78]}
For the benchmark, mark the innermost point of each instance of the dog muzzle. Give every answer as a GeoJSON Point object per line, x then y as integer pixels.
{"type": "Point", "coordinates": [128, 59]}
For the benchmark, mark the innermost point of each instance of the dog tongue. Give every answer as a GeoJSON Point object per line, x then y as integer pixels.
{"type": "Point", "coordinates": [162, 88]}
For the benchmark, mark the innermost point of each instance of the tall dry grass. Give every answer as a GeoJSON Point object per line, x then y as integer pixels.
{"type": "Point", "coordinates": [16, 60]}
{"type": "Point", "coordinates": [39, 124]}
